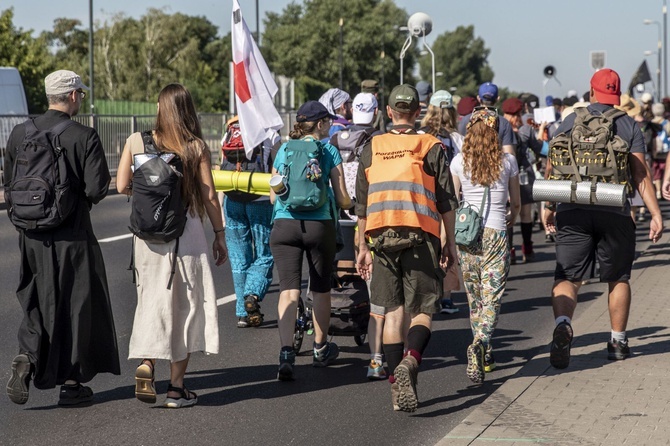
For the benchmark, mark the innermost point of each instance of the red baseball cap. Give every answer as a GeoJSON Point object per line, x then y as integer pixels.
{"type": "Point", "coordinates": [606, 85]}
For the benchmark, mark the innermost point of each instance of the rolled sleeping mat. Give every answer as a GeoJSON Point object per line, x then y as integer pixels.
{"type": "Point", "coordinates": [251, 182]}
{"type": "Point", "coordinates": [561, 191]}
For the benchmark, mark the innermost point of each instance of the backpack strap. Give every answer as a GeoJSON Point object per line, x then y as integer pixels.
{"type": "Point", "coordinates": [149, 143]}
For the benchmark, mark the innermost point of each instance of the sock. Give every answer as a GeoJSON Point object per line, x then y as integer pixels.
{"type": "Point", "coordinates": [619, 336]}
{"type": "Point", "coordinates": [70, 383]}
{"type": "Point", "coordinates": [394, 354]}
{"type": "Point", "coordinates": [377, 357]}
{"type": "Point", "coordinates": [320, 345]}
{"type": "Point", "coordinates": [417, 340]}
{"type": "Point", "coordinates": [560, 319]}
{"type": "Point", "coordinates": [527, 233]}
{"type": "Point", "coordinates": [510, 238]}
{"type": "Point", "coordinates": [415, 354]}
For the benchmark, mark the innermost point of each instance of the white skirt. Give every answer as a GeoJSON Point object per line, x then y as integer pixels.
{"type": "Point", "coordinates": [171, 323]}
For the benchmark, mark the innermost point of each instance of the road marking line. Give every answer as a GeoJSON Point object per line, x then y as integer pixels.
{"type": "Point", "coordinates": [114, 239]}
{"type": "Point", "coordinates": [225, 299]}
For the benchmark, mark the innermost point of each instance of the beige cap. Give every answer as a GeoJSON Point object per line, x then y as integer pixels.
{"type": "Point", "coordinates": [62, 82]}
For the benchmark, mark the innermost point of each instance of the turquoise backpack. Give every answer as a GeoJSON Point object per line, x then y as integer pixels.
{"type": "Point", "coordinates": [307, 189]}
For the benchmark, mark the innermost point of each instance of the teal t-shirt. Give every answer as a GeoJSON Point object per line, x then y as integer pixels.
{"type": "Point", "coordinates": [329, 159]}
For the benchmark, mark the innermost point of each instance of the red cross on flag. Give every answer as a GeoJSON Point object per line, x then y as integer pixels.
{"type": "Point", "coordinates": [254, 87]}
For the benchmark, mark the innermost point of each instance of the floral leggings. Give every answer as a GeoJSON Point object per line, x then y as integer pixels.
{"type": "Point", "coordinates": [485, 271]}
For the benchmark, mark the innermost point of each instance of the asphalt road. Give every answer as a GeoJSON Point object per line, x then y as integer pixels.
{"type": "Point", "coordinates": [240, 401]}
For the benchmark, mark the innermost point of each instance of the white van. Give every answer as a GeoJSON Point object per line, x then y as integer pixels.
{"type": "Point", "coordinates": [12, 102]}
{"type": "Point", "coordinates": [12, 96]}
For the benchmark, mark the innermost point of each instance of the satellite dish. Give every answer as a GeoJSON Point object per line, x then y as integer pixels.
{"type": "Point", "coordinates": [420, 24]}
{"type": "Point", "coordinates": [549, 71]}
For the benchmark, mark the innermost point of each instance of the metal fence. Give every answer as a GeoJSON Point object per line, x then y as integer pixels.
{"type": "Point", "coordinates": [115, 129]}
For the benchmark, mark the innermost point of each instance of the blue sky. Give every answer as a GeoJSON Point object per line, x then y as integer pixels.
{"type": "Point", "coordinates": [524, 36]}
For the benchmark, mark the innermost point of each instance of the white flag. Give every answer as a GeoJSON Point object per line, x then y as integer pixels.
{"type": "Point", "coordinates": [254, 87]}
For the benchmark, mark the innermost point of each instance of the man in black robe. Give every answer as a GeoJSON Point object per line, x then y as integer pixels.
{"type": "Point", "coordinates": [67, 334]}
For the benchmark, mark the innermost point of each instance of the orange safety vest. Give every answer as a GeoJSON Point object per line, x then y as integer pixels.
{"type": "Point", "coordinates": [400, 193]}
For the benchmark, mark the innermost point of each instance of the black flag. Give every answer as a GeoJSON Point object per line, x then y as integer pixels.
{"type": "Point", "coordinates": [640, 77]}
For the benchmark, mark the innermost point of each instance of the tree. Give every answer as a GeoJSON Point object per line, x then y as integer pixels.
{"type": "Point", "coordinates": [29, 55]}
{"type": "Point", "coordinates": [303, 42]}
{"type": "Point", "coordinates": [462, 59]}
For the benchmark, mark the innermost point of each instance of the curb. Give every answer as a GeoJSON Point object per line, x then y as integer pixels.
{"type": "Point", "coordinates": [471, 429]}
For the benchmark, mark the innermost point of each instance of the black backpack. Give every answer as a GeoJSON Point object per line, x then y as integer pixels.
{"type": "Point", "coordinates": [43, 190]}
{"type": "Point", "coordinates": [158, 212]}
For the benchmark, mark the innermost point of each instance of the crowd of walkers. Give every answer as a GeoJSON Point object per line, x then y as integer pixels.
{"type": "Point", "coordinates": [413, 176]}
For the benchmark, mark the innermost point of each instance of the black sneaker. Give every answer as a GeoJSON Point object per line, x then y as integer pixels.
{"type": "Point", "coordinates": [448, 307]}
{"type": "Point", "coordinates": [325, 355]}
{"type": "Point", "coordinates": [71, 395]}
{"type": "Point", "coordinates": [19, 383]}
{"type": "Point", "coordinates": [617, 350]}
{"type": "Point", "coordinates": [559, 356]}
{"type": "Point", "coordinates": [489, 362]}
{"type": "Point", "coordinates": [242, 322]}
{"type": "Point", "coordinates": [286, 363]}
{"type": "Point", "coordinates": [253, 309]}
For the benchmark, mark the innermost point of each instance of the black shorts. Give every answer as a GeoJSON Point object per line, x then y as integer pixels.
{"type": "Point", "coordinates": [582, 235]}
{"type": "Point", "coordinates": [290, 239]}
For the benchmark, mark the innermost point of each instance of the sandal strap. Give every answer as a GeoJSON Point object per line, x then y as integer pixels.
{"type": "Point", "coordinates": [182, 391]}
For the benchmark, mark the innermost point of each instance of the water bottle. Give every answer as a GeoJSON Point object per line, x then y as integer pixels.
{"type": "Point", "coordinates": [523, 177]}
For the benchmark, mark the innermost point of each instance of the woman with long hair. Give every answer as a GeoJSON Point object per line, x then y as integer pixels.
{"type": "Point", "coordinates": [483, 168]}
{"type": "Point", "coordinates": [307, 232]}
{"type": "Point", "coordinates": [441, 121]}
{"type": "Point", "coordinates": [171, 322]}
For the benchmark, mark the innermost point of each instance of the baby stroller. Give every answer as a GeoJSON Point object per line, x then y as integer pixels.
{"type": "Point", "coordinates": [350, 299]}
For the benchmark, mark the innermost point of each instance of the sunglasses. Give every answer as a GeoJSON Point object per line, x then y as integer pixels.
{"type": "Point", "coordinates": [82, 93]}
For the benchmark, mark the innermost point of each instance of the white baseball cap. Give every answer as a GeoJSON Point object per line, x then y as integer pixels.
{"type": "Point", "coordinates": [62, 82]}
{"type": "Point", "coordinates": [363, 108]}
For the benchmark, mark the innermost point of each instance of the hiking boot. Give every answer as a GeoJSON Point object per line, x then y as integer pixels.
{"type": "Point", "coordinates": [406, 376]}
{"type": "Point", "coordinates": [448, 307]}
{"type": "Point", "coordinates": [19, 383]}
{"type": "Point", "coordinates": [242, 322]}
{"type": "Point", "coordinates": [489, 362]}
{"type": "Point", "coordinates": [376, 370]}
{"type": "Point", "coordinates": [325, 355]}
{"type": "Point", "coordinates": [286, 363]}
{"type": "Point", "coordinates": [475, 369]}
{"type": "Point", "coordinates": [253, 309]}
{"type": "Point", "coordinates": [559, 356]}
{"type": "Point", "coordinates": [71, 395]}
{"type": "Point", "coordinates": [617, 350]}
{"type": "Point", "coordinates": [395, 396]}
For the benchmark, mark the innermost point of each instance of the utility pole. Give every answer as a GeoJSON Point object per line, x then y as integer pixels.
{"type": "Point", "coordinates": [90, 54]}
{"type": "Point", "coordinates": [341, 53]}
{"type": "Point", "coordinates": [665, 47]}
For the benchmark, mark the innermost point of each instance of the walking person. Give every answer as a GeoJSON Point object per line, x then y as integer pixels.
{"type": "Point", "coordinates": [441, 121]}
{"type": "Point", "coordinates": [350, 142]}
{"type": "Point", "coordinates": [67, 334]}
{"type": "Point", "coordinates": [248, 222]}
{"type": "Point", "coordinates": [175, 316]}
{"type": "Point", "coordinates": [404, 192]}
{"type": "Point", "coordinates": [307, 230]}
{"type": "Point", "coordinates": [606, 233]}
{"type": "Point", "coordinates": [486, 175]}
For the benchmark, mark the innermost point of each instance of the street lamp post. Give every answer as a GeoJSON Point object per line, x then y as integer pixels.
{"type": "Point", "coordinates": [660, 47]}
{"type": "Point", "coordinates": [341, 53]}
{"type": "Point", "coordinates": [90, 54]}
{"type": "Point", "coordinates": [658, 72]}
{"type": "Point", "coordinates": [665, 47]}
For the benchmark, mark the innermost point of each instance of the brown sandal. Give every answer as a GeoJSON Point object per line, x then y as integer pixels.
{"type": "Point", "coordinates": [145, 389]}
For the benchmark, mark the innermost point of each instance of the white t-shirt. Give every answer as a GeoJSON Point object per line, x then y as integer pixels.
{"type": "Point", "coordinates": [495, 207]}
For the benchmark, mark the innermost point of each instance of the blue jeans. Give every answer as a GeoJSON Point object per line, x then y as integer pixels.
{"type": "Point", "coordinates": [248, 228]}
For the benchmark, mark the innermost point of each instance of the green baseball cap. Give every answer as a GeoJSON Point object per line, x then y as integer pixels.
{"type": "Point", "coordinates": [404, 99]}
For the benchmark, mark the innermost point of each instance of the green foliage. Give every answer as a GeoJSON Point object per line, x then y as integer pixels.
{"type": "Point", "coordinates": [29, 55]}
{"type": "Point", "coordinates": [108, 107]}
{"type": "Point", "coordinates": [304, 42]}
{"type": "Point", "coordinates": [462, 59]}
